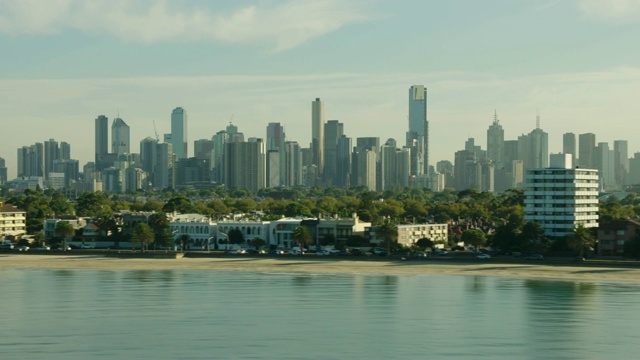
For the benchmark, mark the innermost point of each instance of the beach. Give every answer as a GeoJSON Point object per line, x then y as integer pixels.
{"type": "Point", "coordinates": [537, 270]}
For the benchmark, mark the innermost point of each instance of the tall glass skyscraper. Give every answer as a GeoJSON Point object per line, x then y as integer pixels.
{"type": "Point", "coordinates": [102, 137]}
{"type": "Point", "coordinates": [120, 138]}
{"type": "Point", "coordinates": [317, 135]}
{"type": "Point", "coordinates": [418, 134]}
{"type": "Point", "coordinates": [179, 132]}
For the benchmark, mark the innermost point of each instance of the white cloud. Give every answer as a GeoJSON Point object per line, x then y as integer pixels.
{"type": "Point", "coordinates": [617, 11]}
{"type": "Point", "coordinates": [279, 24]}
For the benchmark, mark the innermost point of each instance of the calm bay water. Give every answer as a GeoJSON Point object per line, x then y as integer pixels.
{"type": "Point", "coordinates": [79, 314]}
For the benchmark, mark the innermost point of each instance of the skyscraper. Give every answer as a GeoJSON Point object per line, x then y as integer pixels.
{"type": "Point", "coordinates": [275, 155]}
{"type": "Point", "coordinates": [179, 132]}
{"type": "Point", "coordinates": [317, 135]}
{"type": "Point", "coordinates": [586, 150]}
{"type": "Point", "coordinates": [333, 130]}
{"type": "Point", "coordinates": [418, 134]}
{"type": "Point", "coordinates": [120, 137]}
{"type": "Point", "coordinates": [621, 153]}
{"type": "Point", "coordinates": [102, 137]}
{"type": "Point", "coordinates": [245, 165]}
{"type": "Point", "coordinates": [495, 142]}
{"type": "Point", "coordinates": [569, 146]}
{"type": "Point", "coordinates": [51, 153]}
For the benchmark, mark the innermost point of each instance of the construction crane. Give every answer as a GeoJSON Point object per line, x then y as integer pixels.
{"type": "Point", "coordinates": [156, 131]}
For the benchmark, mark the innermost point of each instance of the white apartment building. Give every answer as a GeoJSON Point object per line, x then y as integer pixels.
{"type": "Point", "coordinates": [200, 229]}
{"type": "Point", "coordinates": [13, 221]}
{"type": "Point", "coordinates": [561, 197]}
{"type": "Point", "coordinates": [410, 234]}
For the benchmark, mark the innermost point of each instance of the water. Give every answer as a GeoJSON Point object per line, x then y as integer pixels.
{"type": "Point", "coordinates": [80, 314]}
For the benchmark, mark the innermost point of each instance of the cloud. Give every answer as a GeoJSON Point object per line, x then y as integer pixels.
{"type": "Point", "coordinates": [616, 11]}
{"type": "Point", "coordinates": [280, 24]}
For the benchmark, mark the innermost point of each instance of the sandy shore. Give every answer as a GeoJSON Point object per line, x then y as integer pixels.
{"type": "Point", "coordinates": [325, 265]}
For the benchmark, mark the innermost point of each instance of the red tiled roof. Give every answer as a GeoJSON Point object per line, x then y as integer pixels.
{"type": "Point", "coordinates": [9, 208]}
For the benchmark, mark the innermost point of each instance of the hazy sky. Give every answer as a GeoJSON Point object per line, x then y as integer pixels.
{"type": "Point", "coordinates": [63, 62]}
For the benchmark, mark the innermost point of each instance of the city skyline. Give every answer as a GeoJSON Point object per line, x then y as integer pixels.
{"type": "Point", "coordinates": [579, 70]}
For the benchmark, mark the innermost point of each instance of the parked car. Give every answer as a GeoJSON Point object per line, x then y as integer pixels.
{"type": "Point", "coordinates": [420, 254]}
{"type": "Point", "coordinates": [357, 252]}
{"type": "Point", "coordinates": [483, 256]}
{"type": "Point", "coordinates": [323, 252]}
{"type": "Point", "coordinates": [238, 251]}
{"type": "Point", "coordinates": [43, 248]}
{"type": "Point", "coordinates": [86, 246]}
{"type": "Point", "coordinates": [441, 252]}
{"type": "Point", "coordinates": [22, 248]}
{"type": "Point", "coordinates": [276, 252]}
{"type": "Point", "coordinates": [334, 251]}
{"type": "Point", "coordinates": [534, 257]}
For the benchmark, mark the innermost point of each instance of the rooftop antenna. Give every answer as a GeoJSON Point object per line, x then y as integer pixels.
{"type": "Point", "coordinates": [538, 119]}
{"type": "Point", "coordinates": [495, 116]}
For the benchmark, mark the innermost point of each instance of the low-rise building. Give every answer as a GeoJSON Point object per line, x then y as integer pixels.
{"type": "Point", "coordinates": [613, 236]}
{"type": "Point", "coordinates": [408, 235]}
{"type": "Point", "coordinates": [200, 229]}
{"type": "Point", "coordinates": [13, 221]}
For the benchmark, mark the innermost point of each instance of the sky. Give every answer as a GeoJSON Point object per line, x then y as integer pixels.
{"type": "Point", "coordinates": [576, 63]}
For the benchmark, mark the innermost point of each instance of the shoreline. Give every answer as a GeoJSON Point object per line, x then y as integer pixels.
{"type": "Point", "coordinates": [541, 271]}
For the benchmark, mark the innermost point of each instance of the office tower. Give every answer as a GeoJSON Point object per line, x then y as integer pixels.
{"type": "Point", "coordinates": [470, 145]}
{"type": "Point", "coordinates": [561, 197]}
{"type": "Point", "coordinates": [217, 159]}
{"type": "Point", "coordinates": [102, 137]}
{"type": "Point", "coordinates": [586, 150]}
{"type": "Point", "coordinates": [343, 162]}
{"type": "Point", "coordinates": [148, 157]}
{"type": "Point", "coordinates": [244, 164]}
{"type": "Point", "coordinates": [163, 172]}
{"type": "Point", "coordinates": [621, 153]}
{"type": "Point", "coordinates": [202, 149]}
{"type": "Point", "coordinates": [65, 151]}
{"type": "Point", "coordinates": [394, 166]}
{"type": "Point", "coordinates": [634, 170]}
{"type": "Point", "coordinates": [51, 153]}
{"type": "Point", "coordinates": [418, 134]}
{"type": "Point", "coordinates": [179, 133]}
{"type": "Point", "coordinates": [569, 146]}
{"type": "Point", "coordinates": [3, 172]}
{"type": "Point", "coordinates": [364, 168]}
{"type": "Point", "coordinates": [495, 142]}
{"type": "Point", "coordinates": [119, 137]}
{"type": "Point", "coordinates": [192, 171]}
{"type": "Point", "coordinates": [604, 161]}
{"type": "Point", "coordinates": [275, 155]}
{"type": "Point", "coordinates": [293, 164]}
{"type": "Point", "coordinates": [31, 160]}
{"type": "Point", "coordinates": [70, 168]}
{"type": "Point", "coordinates": [317, 135]}
{"type": "Point", "coordinates": [333, 130]}
{"type": "Point", "coordinates": [465, 170]}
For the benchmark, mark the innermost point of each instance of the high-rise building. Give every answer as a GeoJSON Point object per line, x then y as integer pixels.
{"type": "Point", "coordinates": [586, 150]}
{"type": "Point", "coordinates": [333, 130]}
{"type": "Point", "coordinates": [495, 142]}
{"type": "Point", "coordinates": [418, 134]}
{"type": "Point", "coordinates": [317, 135]}
{"type": "Point", "coordinates": [51, 153]}
{"type": "Point", "coordinates": [561, 197]}
{"type": "Point", "coordinates": [244, 164]}
{"type": "Point", "coordinates": [343, 162]}
{"type": "Point", "coordinates": [621, 153]}
{"type": "Point", "coordinates": [202, 149]}
{"type": "Point", "coordinates": [163, 171]}
{"type": "Point", "coordinates": [293, 164]}
{"type": "Point", "coordinates": [102, 137]}
{"type": "Point", "coordinates": [604, 161]}
{"type": "Point", "coordinates": [120, 137]}
{"type": "Point", "coordinates": [569, 146]}
{"type": "Point", "coordinates": [275, 156]}
{"type": "Point", "coordinates": [634, 170]}
{"type": "Point", "coordinates": [3, 172]}
{"type": "Point", "coordinates": [179, 133]}
{"type": "Point", "coordinates": [148, 158]}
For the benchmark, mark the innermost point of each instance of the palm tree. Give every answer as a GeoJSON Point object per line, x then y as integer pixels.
{"type": "Point", "coordinates": [142, 234]}
{"type": "Point", "coordinates": [389, 234]}
{"type": "Point", "coordinates": [302, 236]}
{"type": "Point", "coordinates": [65, 230]}
{"type": "Point", "coordinates": [580, 239]}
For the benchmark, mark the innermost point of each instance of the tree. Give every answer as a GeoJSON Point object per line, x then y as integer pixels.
{"type": "Point", "coordinates": [389, 234]}
{"type": "Point", "coordinates": [302, 236]}
{"type": "Point", "coordinates": [425, 243]}
{"type": "Point", "coordinates": [474, 237]}
{"type": "Point", "coordinates": [142, 234]}
{"type": "Point", "coordinates": [531, 237]}
{"type": "Point", "coordinates": [184, 241]}
{"type": "Point", "coordinates": [164, 238]}
{"type": "Point", "coordinates": [580, 240]}
{"type": "Point", "coordinates": [235, 236]}
{"type": "Point", "coordinates": [64, 229]}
